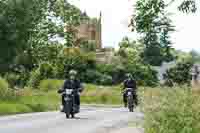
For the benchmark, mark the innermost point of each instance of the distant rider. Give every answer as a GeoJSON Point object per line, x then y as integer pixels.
{"type": "Point", "coordinates": [129, 83]}
{"type": "Point", "coordinates": [72, 83]}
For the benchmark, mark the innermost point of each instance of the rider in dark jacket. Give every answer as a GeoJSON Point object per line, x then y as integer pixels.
{"type": "Point", "coordinates": [129, 83]}
{"type": "Point", "coordinates": [72, 83]}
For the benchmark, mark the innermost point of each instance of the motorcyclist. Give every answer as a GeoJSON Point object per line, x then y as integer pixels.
{"type": "Point", "coordinates": [129, 83]}
{"type": "Point", "coordinates": [72, 83]}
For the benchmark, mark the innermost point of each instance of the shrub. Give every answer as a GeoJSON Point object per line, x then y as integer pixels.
{"type": "Point", "coordinates": [171, 110]}
{"type": "Point", "coordinates": [3, 87]}
{"type": "Point", "coordinates": [92, 76]}
{"type": "Point", "coordinates": [13, 79]}
{"type": "Point", "coordinates": [180, 74]}
{"type": "Point", "coordinates": [144, 74]}
{"type": "Point", "coordinates": [116, 71]}
{"type": "Point", "coordinates": [35, 78]}
{"type": "Point", "coordinates": [105, 80]}
{"type": "Point", "coordinates": [46, 70]}
{"type": "Point", "coordinates": [50, 84]}
{"type": "Point", "coordinates": [74, 58]}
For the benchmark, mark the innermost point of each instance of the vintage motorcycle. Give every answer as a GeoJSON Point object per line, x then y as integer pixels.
{"type": "Point", "coordinates": [70, 108]}
{"type": "Point", "coordinates": [130, 99]}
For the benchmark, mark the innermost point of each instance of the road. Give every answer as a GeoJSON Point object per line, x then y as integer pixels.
{"type": "Point", "coordinates": [89, 120]}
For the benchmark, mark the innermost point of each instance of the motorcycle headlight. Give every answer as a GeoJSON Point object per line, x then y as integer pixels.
{"type": "Point", "coordinates": [68, 91]}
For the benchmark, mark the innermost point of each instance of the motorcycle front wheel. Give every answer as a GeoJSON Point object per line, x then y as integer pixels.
{"type": "Point", "coordinates": [130, 104]}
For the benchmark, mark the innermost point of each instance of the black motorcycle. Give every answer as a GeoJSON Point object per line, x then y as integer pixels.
{"type": "Point", "coordinates": [70, 108]}
{"type": "Point", "coordinates": [130, 99]}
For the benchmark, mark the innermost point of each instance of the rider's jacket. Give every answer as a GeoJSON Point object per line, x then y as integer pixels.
{"type": "Point", "coordinates": [72, 84]}
{"type": "Point", "coordinates": [130, 84]}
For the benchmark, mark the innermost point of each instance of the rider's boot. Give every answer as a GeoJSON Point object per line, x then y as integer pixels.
{"type": "Point", "coordinates": [125, 105]}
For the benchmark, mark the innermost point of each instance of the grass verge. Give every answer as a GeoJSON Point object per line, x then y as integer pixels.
{"type": "Point", "coordinates": [29, 100]}
{"type": "Point", "coordinates": [170, 110]}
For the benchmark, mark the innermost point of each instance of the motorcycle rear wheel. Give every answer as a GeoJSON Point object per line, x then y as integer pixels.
{"type": "Point", "coordinates": [130, 104]}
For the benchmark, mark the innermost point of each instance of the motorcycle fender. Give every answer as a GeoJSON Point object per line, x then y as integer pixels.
{"type": "Point", "coordinates": [67, 99]}
{"type": "Point", "coordinates": [129, 93]}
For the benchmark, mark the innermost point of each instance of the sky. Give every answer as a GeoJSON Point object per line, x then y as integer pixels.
{"type": "Point", "coordinates": [116, 15]}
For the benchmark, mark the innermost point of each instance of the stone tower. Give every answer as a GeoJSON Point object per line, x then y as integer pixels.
{"type": "Point", "coordinates": [99, 32]}
{"type": "Point", "coordinates": [90, 30]}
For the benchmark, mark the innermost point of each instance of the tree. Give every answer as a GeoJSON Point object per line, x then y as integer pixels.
{"type": "Point", "coordinates": [153, 24]}
{"type": "Point", "coordinates": [186, 6]}
{"type": "Point", "coordinates": [50, 25]}
{"type": "Point", "coordinates": [195, 56]}
{"type": "Point", "coordinates": [131, 61]}
{"type": "Point", "coordinates": [180, 74]}
{"type": "Point", "coordinates": [18, 19]}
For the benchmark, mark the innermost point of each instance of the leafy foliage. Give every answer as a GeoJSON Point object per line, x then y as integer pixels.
{"type": "Point", "coordinates": [17, 23]}
{"type": "Point", "coordinates": [13, 79]}
{"type": "Point", "coordinates": [152, 22]}
{"type": "Point", "coordinates": [180, 74]}
{"type": "Point", "coordinates": [50, 85]}
{"type": "Point", "coordinates": [188, 6]}
{"type": "Point", "coordinates": [130, 56]}
{"type": "Point", "coordinates": [74, 58]}
{"type": "Point", "coordinates": [3, 87]}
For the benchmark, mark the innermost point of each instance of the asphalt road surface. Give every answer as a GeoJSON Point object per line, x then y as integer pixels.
{"type": "Point", "coordinates": [89, 120]}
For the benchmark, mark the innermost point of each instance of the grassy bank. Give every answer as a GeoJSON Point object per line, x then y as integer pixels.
{"type": "Point", "coordinates": [170, 110]}
{"type": "Point", "coordinates": [39, 100]}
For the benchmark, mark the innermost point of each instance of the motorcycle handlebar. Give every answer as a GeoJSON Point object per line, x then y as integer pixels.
{"type": "Point", "coordinates": [62, 91]}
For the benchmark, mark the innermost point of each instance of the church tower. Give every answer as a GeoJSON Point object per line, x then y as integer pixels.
{"type": "Point", "coordinates": [99, 32]}
{"type": "Point", "coordinates": [89, 30]}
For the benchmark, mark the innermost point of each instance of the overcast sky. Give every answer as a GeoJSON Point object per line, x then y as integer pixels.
{"type": "Point", "coordinates": [116, 15]}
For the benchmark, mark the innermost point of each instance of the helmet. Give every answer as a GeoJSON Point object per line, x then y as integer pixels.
{"type": "Point", "coordinates": [72, 73]}
{"type": "Point", "coordinates": [129, 75]}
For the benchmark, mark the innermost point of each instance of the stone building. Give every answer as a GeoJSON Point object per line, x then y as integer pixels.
{"type": "Point", "coordinates": [90, 30]}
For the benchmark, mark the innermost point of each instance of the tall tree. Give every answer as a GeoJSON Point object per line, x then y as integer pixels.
{"type": "Point", "coordinates": [153, 24]}
{"type": "Point", "coordinates": [18, 19]}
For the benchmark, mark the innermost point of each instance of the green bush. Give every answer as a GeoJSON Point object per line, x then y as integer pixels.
{"type": "Point", "coordinates": [105, 80]}
{"type": "Point", "coordinates": [13, 79]}
{"type": "Point", "coordinates": [3, 87]}
{"type": "Point", "coordinates": [46, 70]}
{"type": "Point", "coordinates": [117, 72]}
{"type": "Point", "coordinates": [6, 94]}
{"type": "Point", "coordinates": [144, 74]}
{"type": "Point", "coordinates": [92, 76]}
{"type": "Point", "coordinates": [180, 74]}
{"type": "Point", "coordinates": [50, 84]}
{"type": "Point", "coordinates": [35, 78]}
{"type": "Point", "coordinates": [171, 110]}
{"type": "Point", "coordinates": [74, 58]}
